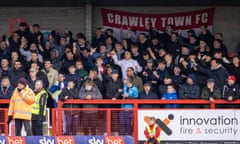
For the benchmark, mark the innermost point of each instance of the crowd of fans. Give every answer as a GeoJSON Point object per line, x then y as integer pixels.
{"type": "Point", "coordinates": [149, 65]}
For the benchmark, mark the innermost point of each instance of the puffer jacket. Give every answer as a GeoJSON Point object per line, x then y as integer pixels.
{"type": "Point", "coordinates": [189, 91]}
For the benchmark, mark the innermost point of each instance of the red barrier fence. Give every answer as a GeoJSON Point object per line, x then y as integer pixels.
{"type": "Point", "coordinates": [136, 104]}
{"type": "Point", "coordinates": [108, 116]}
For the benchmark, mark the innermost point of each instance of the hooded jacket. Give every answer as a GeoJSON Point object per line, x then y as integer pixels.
{"type": "Point", "coordinates": [21, 104]}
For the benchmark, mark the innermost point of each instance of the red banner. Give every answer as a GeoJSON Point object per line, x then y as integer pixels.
{"type": "Point", "coordinates": [139, 21]}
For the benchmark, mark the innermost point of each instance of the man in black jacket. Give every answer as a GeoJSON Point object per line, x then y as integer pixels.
{"type": "Point", "coordinates": [216, 72]}
{"type": "Point", "coordinates": [190, 90]}
{"type": "Point", "coordinates": [148, 94]}
{"type": "Point", "coordinates": [72, 116]}
{"type": "Point", "coordinates": [16, 73]}
{"type": "Point", "coordinates": [114, 87]}
{"type": "Point", "coordinates": [39, 109]}
{"type": "Point", "coordinates": [114, 91]}
{"type": "Point", "coordinates": [231, 90]}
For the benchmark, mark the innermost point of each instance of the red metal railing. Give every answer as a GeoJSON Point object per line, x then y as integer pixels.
{"type": "Point", "coordinates": [4, 117]}
{"type": "Point", "coordinates": [58, 116]}
{"type": "Point", "coordinates": [136, 104]}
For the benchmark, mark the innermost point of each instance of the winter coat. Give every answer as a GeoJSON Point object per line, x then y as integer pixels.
{"type": "Point", "coordinates": [52, 76]}
{"type": "Point", "coordinates": [94, 92]}
{"type": "Point", "coordinates": [14, 75]}
{"type": "Point", "coordinates": [4, 73]}
{"type": "Point", "coordinates": [233, 90]}
{"type": "Point", "coordinates": [206, 94]}
{"type": "Point", "coordinates": [162, 74]}
{"type": "Point", "coordinates": [149, 95]}
{"type": "Point", "coordinates": [21, 104]}
{"type": "Point", "coordinates": [219, 75]}
{"type": "Point", "coordinates": [112, 88]}
{"type": "Point", "coordinates": [189, 91]}
{"type": "Point", "coordinates": [5, 93]}
{"type": "Point", "coordinates": [75, 77]}
{"type": "Point", "coordinates": [73, 94]}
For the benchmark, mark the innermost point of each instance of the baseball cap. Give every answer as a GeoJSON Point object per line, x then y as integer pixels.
{"type": "Point", "coordinates": [232, 77]}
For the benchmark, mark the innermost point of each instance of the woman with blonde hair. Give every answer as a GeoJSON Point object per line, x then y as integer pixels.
{"type": "Point", "coordinates": [5, 88]}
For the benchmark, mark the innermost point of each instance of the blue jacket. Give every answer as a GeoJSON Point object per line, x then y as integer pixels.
{"type": "Point", "coordinates": [131, 92]}
{"type": "Point", "coordinates": [170, 96]}
{"type": "Point", "coordinates": [54, 87]}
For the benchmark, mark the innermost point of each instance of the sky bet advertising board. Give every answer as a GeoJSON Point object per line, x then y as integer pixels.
{"type": "Point", "coordinates": [193, 125]}
{"type": "Point", "coordinates": [67, 140]}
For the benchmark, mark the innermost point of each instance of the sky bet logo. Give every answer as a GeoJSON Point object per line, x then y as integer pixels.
{"type": "Point", "coordinates": [15, 140]}
{"type": "Point", "coordinates": [108, 140]}
{"type": "Point", "coordinates": [59, 140]}
{"type": "Point", "coordinates": [163, 124]}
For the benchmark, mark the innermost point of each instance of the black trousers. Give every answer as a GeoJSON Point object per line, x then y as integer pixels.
{"type": "Point", "coordinates": [37, 128]}
{"type": "Point", "coordinates": [89, 121]}
{"type": "Point", "coordinates": [18, 127]}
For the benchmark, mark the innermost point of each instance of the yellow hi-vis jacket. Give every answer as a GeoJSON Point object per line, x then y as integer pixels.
{"type": "Point", "coordinates": [21, 104]}
{"type": "Point", "coordinates": [36, 105]}
{"type": "Point", "coordinates": [153, 132]}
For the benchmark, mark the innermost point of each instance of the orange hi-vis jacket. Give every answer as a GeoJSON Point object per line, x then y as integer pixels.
{"type": "Point", "coordinates": [21, 104]}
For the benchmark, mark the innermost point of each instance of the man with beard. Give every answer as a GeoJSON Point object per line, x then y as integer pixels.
{"type": "Point", "coordinates": [39, 108]}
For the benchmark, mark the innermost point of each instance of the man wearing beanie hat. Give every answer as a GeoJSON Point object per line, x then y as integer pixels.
{"type": "Point", "coordinates": [20, 108]}
{"type": "Point", "coordinates": [231, 90]}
